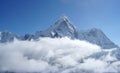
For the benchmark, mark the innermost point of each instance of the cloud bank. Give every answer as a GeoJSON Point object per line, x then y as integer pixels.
{"type": "Point", "coordinates": [58, 55]}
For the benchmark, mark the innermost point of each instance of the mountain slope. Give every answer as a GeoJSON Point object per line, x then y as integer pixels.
{"type": "Point", "coordinates": [96, 36]}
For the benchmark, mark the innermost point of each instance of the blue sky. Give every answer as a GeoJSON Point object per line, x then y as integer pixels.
{"type": "Point", "coordinates": [28, 16]}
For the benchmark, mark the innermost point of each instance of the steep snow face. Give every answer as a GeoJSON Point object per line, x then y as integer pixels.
{"type": "Point", "coordinates": [64, 24]}
{"type": "Point", "coordinates": [61, 28]}
{"type": "Point", "coordinates": [96, 36]}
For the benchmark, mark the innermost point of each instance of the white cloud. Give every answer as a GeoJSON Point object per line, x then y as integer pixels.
{"type": "Point", "coordinates": [58, 55]}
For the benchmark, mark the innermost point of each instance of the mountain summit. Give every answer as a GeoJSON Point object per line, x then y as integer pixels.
{"type": "Point", "coordinates": [64, 28]}
{"type": "Point", "coordinates": [64, 24]}
{"type": "Point", "coordinates": [61, 28]}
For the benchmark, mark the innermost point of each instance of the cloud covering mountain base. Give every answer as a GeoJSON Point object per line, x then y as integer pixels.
{"type": "Point", "coordinates": [58, 55]}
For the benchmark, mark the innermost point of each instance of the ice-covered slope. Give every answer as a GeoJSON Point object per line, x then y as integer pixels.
{"type": "Point", "coordinates": [96, 36]}
{"type": "Point", "coordinates": [64, 28]}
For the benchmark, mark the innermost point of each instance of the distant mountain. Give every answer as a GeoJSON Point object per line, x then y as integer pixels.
{"type": "Point", "coordinates": [64, 28]}
{"type": "Point", "coordinates": [6, 36]}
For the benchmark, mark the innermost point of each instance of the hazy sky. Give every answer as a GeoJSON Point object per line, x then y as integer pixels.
{"type": "Point", "coordinates": [28, 16]}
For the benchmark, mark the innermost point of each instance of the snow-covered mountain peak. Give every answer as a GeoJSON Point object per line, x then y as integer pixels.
{"type": "Point", "coordinates": [61, 28]}
{"type": "Point", "coordinates": [64, 28]}
{"type": "Point", "coordinates": [63, 23]}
